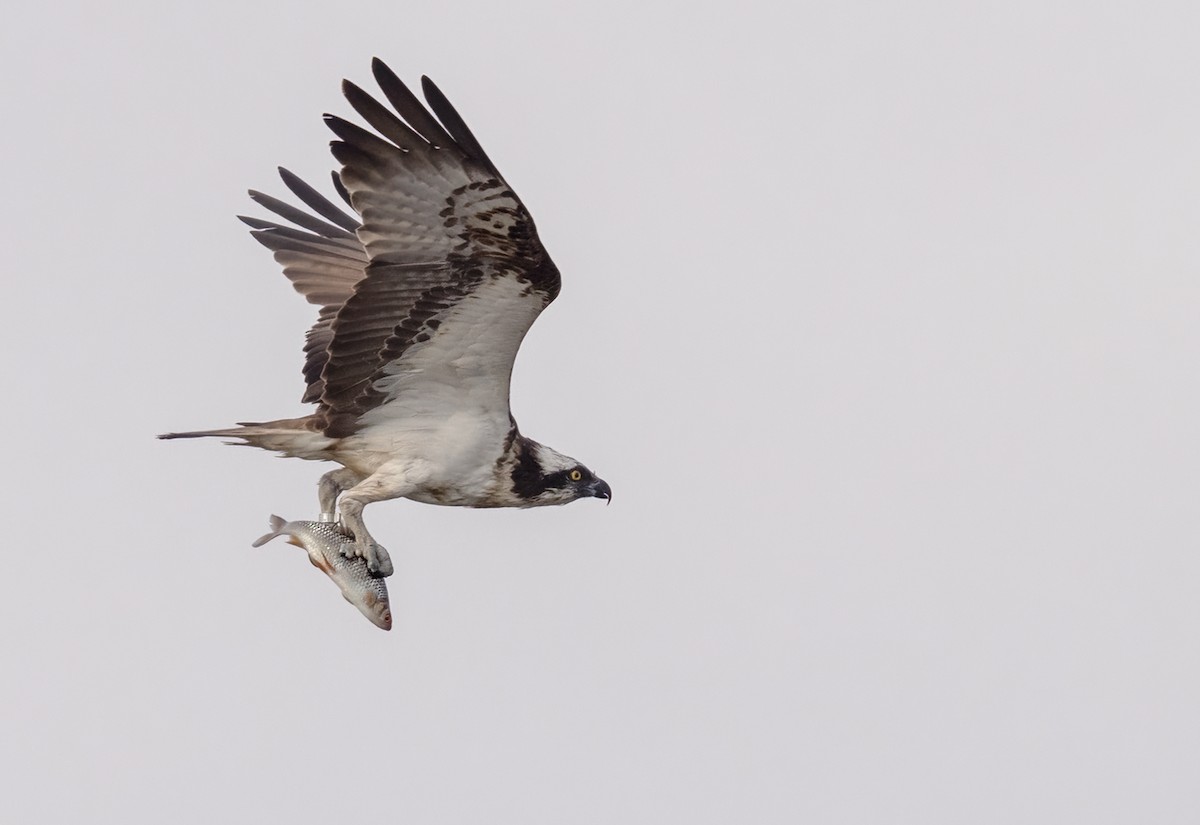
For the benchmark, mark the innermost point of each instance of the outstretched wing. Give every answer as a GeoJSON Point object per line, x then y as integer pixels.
{"type": "Point", "coordinates": [450, 272]}
{"type": "Point", "coordinates": [324, 261]}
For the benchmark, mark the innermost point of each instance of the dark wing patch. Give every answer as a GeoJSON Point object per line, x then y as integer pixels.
{"type": "Point", "coordinates": [356, 391]}
{"type": "Point", "coordinates": [435, 212]}
{"type": "Point", "coordinates": [360, 332]}
{"type": "Point", "coordinates": [316, 353]}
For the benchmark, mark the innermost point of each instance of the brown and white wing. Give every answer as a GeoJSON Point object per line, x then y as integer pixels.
{"type": "Point", "coordinates": [455, 275]}
{"type": "Point", "coordinates": [321, 256]}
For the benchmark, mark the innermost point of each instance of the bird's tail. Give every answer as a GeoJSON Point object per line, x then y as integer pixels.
{"type": "Point", "coordinates": [299, 437]}
{"type": "Point", "coordinates": [229, 432]}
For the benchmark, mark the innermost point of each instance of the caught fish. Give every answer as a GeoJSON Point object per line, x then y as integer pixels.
{"type": "Point", "coordinates": [323, 541]}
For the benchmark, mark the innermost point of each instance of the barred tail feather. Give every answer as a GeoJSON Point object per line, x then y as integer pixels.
{"type": "Point", "coordinates": [298, 437]}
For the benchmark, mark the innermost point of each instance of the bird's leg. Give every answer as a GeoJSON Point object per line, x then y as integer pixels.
{"type": "Point", "coordinates": [331, 486]}
{"type": "Point", "coordinates": [390, 481]}
{"type": "Point", "coordinates": [378, 560]}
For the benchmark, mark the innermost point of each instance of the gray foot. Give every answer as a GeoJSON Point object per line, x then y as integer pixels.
{"type": "Point", "coordinates": [378, 560]}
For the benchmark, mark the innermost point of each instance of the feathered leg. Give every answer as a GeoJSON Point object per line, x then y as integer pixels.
{"type": "Point", "coordinates": [390, 481]}
{"type": "Point", "coordinates": [331, 486]}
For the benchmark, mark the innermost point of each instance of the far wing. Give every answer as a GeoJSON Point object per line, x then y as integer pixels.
{"type": "Point", "coordinates": [323, 259]}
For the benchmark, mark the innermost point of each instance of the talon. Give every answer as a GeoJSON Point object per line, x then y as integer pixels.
{"type": "Point", "coordinates": [378, 560]}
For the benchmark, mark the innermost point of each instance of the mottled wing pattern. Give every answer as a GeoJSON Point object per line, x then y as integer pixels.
{"type": "Point", "coordinates": [438, 224]}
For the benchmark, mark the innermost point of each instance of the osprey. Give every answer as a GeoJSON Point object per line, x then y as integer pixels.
{"type": "Point", "coordinates": [425, 298]}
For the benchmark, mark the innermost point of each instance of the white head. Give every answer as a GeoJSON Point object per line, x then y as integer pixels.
{"type": "Point", "coordinates": [542, 476]}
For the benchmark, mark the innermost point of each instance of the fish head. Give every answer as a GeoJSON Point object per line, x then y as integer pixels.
{"type": "Point", "coordinates": [377, 609]}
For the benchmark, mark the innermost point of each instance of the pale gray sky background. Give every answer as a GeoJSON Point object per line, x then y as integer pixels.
{"type": "Point", "coordinates": [881, 322]}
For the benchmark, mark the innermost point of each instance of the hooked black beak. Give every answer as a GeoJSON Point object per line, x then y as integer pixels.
{"type": "Point", "coordinates": [600, 489]}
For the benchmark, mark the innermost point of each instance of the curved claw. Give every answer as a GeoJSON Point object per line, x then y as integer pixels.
{"type": "Point", "coordinates": [377, 559]}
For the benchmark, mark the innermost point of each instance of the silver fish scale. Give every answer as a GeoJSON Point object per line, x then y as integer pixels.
{"type": "Point", "coordinates": [331, 542]}
{"type": "Point", "coordinates": [323, 542]}
{"type": "Point", "coordinates": [325, 532]}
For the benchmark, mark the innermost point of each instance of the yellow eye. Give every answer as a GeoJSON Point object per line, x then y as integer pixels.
{"type": "Point", "coordinates": [574, 475]}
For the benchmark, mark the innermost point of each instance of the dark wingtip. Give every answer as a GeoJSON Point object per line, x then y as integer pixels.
{"type": "Point", "coordinates": [288, 177]}
{"type": "Point", "coordinates": [383, 73]}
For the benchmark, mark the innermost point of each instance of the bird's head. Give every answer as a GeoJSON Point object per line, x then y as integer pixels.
{"type": "Point", "coordinates": [544, 476]}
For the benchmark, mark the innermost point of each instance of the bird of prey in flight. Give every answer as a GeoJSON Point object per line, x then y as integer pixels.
{"type": "Point", "coordinates": [425, 294]}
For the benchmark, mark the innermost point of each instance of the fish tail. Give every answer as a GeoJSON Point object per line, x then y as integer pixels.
{"type": "Point", "coordinates": [277, 525]}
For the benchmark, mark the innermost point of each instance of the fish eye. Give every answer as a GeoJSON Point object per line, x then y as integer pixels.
{"type": "Point", "coordinates": [574, 475]}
